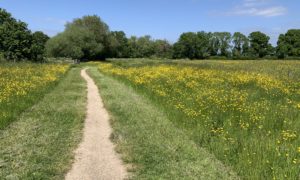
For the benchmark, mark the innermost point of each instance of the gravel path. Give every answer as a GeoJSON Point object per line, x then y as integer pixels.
{"type": "Point", "coordinates": [95, 157]}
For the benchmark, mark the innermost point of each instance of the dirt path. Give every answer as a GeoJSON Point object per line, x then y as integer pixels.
{"type": "Point", "coordinates": [95, 157]}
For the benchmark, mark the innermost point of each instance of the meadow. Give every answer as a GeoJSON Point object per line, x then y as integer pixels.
{"type": "Point", "coordinates": [246, 113]}
{"type": "Point", "coordinates": [23, 84]}
{"type": "Point", "coordinates": [46, 127]}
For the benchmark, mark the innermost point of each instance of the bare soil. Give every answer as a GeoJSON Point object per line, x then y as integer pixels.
{"type": "Point", "coordinates": [95, 157]}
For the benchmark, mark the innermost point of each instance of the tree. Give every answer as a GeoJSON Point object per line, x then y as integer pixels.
{"type": "Point", "coordinates": [119, 50]}
{"type": "Point", "coordinates": [140, 47]}
{"type": "Point", "coordinates": [192, 45]}
{"type": "Point", "coordinates": [282, 47]}
{"type": "Point", "coordinates": [37, 49]}
{"type": "Point", "coordinates": [145, 46]}
{"type": "Point", "coordinates": [15, 38]}
{"type": "Point", "coordinates": [86, 38]}
{"type": "Point", "coordinates": [224, 39]}
{"type": "Point", "coordinates": [162, 49]}
{"type": "Point", "coordinates": [75, 43]}
{"type": "Point", "coordinates": [240, 44]}
{"type": "Point", "coordinates": [214, 44]}
{"type": "Point", "coordinates": [93, 24]}
{"type": "Point", "coordinates": [293, 42]}
{"type": "Point", "coordinates": [289, 44]}
{"type": "Point", "coordinates": [132, 48]}
{"type": "Point", "coordinates": [259, 44]}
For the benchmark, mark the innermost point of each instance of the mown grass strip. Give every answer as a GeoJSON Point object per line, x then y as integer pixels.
{"type": "Point", "coordinates": [149, 141]}
{"type": "Point", "coordinates": [40, 144]}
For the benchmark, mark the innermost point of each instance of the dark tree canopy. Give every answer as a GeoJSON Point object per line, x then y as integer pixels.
{"type": "Point", "coordinates": [259, 44]}
{"type": "Point", "coordinates": [119, 47]}
{"type": "Point", "coordinates": [15, 38]}
{"type": "Point", "coordinates": [289, 44]}
{"type": "Point", "coordinates": [192, 45]}
{"type": "Point", "coordinates": [17, 42]}
{"type": "Point", "coordinates": [39, 40]}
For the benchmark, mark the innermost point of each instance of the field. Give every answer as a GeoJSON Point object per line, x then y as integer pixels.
{"type": "Point", "coordinates": [246, 113]}
{"type": "Point", "coordinates": [171, 119]}
{"type": "Point", "coordinates": [23, 84]}
{"type": "Point", "coordinates": [39, 142]}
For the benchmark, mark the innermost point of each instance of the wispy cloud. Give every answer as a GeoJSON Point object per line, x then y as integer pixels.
{"type": "Point", "coordinates": [264, 8]}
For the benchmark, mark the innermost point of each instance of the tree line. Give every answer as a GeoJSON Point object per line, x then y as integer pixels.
{"type": "Point", "coordinates": [89, 38]}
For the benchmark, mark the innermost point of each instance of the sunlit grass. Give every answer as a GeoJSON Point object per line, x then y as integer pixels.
{"type": "Point", "coordinates": [21, 85]}
{"type": "Point", "coordinates": [40, 143]}
{"type": "Point", "coordinates": [246, 113]}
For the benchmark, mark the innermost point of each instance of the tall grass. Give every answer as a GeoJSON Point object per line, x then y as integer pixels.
{"type": "Point", "coordinates": [41, 143]}
{"type": "Point", "coordinates": [148, 141]}
{"type": "Point", "coordinates": [23, 84]}
{"type": "Point", "coordinates": [245, 113]}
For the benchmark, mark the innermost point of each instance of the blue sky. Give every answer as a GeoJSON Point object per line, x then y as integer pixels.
{"type": "Point", "coordinates": [165, 19]}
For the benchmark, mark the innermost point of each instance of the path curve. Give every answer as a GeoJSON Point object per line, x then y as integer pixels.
{"type": "Point", "coordinates": [95, 157]}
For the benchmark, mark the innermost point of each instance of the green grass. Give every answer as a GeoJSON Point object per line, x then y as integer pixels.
{"type": "Point", "coordinates": [22, 85]}
{"type": "Point", "coordinates": [246, 113]}
{"type": "Point", "coordinates": [148, 140]}
{"type": "Point", "coordinates": [40, 143]}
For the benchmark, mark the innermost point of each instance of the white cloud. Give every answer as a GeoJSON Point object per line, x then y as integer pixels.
{"type": "Point", "coordinates": [263, 8]}
{"type": "Point", "coordinates": [265, 12]}
{"type": "Point", "coordinates": [254, 3]}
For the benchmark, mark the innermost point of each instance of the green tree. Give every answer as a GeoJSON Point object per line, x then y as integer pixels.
{"type": "Point", "coordinates": [162, 49]}
{"type": "Point", "coordinates": [132, 48]}
{"type": "Point", "coordinates": [146, 46]}
{"type": "Point", "coordinates": [240, 44]}
{"type": "Point", "coordinates": [86, 38]}
{"type": "Point", "coordinates": [214, 44]}
{"type": "Point", "coordinates": [75, 43]}
{"type": "Point", "coordinates": [259, 44]}
{"type": "Point", "coordinates": [15, 38]}
{"type": "Point", "coordinates": [289, 44]}
{"type": "Point", "coordinates": [119, 50]}
{"type": "Point", "coordinates": [282, 47]}
{"type": "Point", "coordinates": [192, 45]}
{"type": "Point", "coordinates": [142, 47]}
{"type": "Point", "coordinates": [37, 49]}
{"type": "Point", "coordinates": [224, 39]}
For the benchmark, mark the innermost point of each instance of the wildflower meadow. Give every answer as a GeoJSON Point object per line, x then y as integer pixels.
{"type": "Point", "coordinates": [246, 114]}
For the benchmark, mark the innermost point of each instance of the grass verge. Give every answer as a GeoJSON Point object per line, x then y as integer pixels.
{"type": "Point", "coordinates": [40, 144]}
{"type": "Point", "coordinates": [149, 141]}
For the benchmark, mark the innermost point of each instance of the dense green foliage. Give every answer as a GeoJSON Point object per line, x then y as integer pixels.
{"type": "Point", "coordinates": [17, 42]}
{"type": "Point", "coordinates": [203, 45]}
{"type": "Point", "coordinates": [192, 45]}
{"type": "Point", "coordinates": [85, 38]}
{"type": "Point", "coordinates": [289, 44]}
{"type": "Point", "coordinates": [259, 44]}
